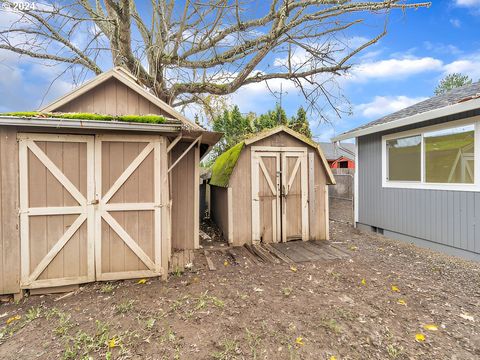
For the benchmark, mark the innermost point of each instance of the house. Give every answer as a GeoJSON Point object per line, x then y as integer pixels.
{"type": "Point", "coordinates": [90, 192]}
{"type": "Point", "coordinates": [271, 187]}
{"type": "Point", "coordinates": [418, 173]}
{"type": "Point", "coordinates": [339, 157]}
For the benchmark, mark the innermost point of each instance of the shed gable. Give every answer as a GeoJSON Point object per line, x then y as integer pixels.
{"type": "Point", "coordinates": [113, 98]}
{"type": "Point", "coordinates": [116, 92]}
{"type": "Point", "coordinates": [225, 164]}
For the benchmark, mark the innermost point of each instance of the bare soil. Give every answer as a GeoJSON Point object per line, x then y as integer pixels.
{"type": "Point", "coordinates": [372, 305]}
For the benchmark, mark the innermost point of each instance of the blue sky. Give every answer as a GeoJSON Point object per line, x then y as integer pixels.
{"type": "Point", "coordinates": [403, 68]}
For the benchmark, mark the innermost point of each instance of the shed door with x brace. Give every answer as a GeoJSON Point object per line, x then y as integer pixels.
{"type": "Point", "coordinates": [279, 194]}
{"type": "Point", "coordinates": [90, 208]}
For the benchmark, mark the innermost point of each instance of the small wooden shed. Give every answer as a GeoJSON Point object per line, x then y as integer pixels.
{"type": "Point", "coordinates": [84, 200]}
{"type": "Point", "coordinates": [271, 188]}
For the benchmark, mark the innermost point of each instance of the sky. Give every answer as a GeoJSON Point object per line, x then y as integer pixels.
{"type": "Point", "coordinates": [403, 68]}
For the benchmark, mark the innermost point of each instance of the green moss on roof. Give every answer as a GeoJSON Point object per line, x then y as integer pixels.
{"type": "Point", "coordinates": [150, 119]}
{"type": "Point", "coordinates": [223, 167]}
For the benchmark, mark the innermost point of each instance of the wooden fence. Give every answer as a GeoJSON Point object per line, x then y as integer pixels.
{"type": "Point", "coordinates": [345, 184]}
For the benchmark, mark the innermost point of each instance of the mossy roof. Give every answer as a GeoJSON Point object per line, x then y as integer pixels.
{"type": "Point", "coordinates": [224, 164]}
{"type": "Point", "coordinates": [149, 119]}
{"type": "Point", "coordinates": [223, 167]}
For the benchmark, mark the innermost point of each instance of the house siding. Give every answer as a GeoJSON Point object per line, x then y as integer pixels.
{"type": "Point", "coordinates": [449, 218]}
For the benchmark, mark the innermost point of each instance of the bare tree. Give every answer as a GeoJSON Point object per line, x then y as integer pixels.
{"type": "Point", "coordinates": [187, 50]}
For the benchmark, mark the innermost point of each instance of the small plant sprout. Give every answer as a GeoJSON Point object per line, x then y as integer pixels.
{"type": "Point", "coordinates": [108, 288]}
{"type": "Point", "coordinates": [124, 306]}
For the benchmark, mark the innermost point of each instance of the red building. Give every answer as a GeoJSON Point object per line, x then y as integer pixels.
{"type": "Point", "coordinates": [339, 157]}
{"type": "Point", "coordinates": [342, 163]}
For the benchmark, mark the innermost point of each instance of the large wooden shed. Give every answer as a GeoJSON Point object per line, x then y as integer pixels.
{"type": "Point", "coordinates": [271, 188]}
{"type": "Point", "coordinates": [85, 200]}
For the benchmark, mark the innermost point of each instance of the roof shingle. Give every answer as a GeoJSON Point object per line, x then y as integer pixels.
{"type": "Point", "coordinates": [452, 97]}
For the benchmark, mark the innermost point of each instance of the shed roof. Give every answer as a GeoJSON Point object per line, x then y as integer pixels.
{"type": "Point", "coordinates": [224, 165]}
{"type": "Point", "coordinates": [128, 80]}
{"type": "Point", "coordinates": [457, 100]}
{"type": "Point", "coordinates": [72, 123]}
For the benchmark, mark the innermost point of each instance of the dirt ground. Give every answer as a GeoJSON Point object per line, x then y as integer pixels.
{"type": "Point", "coordinates": [388, 301]}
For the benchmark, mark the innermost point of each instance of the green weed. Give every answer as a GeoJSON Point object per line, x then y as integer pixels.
{"type": "Point", "coordinates": [124, 306]}
{"type": "Point", "coordinates": [230, 350]}
{"type": "Point", "coordinates": [108, 288]}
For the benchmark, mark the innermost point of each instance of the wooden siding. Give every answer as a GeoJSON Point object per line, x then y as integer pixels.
{"type": "Point", "coordinates": [44, 190]}
{"type": "Point", "coordinates": [450, 218]}
{"type": "Point", "coordinates": [184, 193]}
{"type": "Point", "coordinates": [9, 221]}
{"type": "Point", "coordinates": [240, 182]}
{"type": "Point", "coordinates": [139, 188]}
{"type": "Point", "coordinates": [219, 209]}
{"type": "Point", "coordinates": [113, 98]}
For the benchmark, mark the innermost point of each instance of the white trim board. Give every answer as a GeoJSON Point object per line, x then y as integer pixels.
{"type": "Point", "coordinates": [417, 118]}
{"type": "Point", "coordinates": [432, 186]}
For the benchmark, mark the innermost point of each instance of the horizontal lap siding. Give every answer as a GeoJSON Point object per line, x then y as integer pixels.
{"type": "Point", "coordinates": [449, 218]}
{"type": "Point", "coordinates": [9, 235]}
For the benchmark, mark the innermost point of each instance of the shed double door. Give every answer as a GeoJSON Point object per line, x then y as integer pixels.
{"type": "Point", "coordinates": [89, 208]}
{"type": "Point", "coordinates": [279, 194]}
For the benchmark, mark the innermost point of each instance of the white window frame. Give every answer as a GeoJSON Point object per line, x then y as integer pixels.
{"type": "Point", "coordinates": [433, 186]}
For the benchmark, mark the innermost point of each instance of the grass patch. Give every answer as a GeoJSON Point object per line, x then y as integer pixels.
{"type": "Point", "coordinates": [33, 313]}
{"type": "Point", "coordinates": [108, 288]}
{"type": "Point", "coordinates": [124, 306]}
{"type": "Point", "coordinates": [394, 351]}
{"type": "Point", "coordinates": [177, 272]}
{"type": "Point", "coordinates": [148, 119]}
{"type": "Point", "coordinates": [206, 299]}
{"type": "Point", "coordinates": [253, 341]}
{"type": "Point", "coordinates": [150, 323]}
{"type": "Point", "coordinates": [82, 344]}
{"type": "Point", "coordinates": [63, 321]}
{"type": "Point", "coordinates": [332, 325]}
{"type": "Point", "coordinates": [188, 305]}
{"type": "Point", "coordinates": [229, 350]}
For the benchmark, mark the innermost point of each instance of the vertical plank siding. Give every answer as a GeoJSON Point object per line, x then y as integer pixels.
{"type": "Point", "coordinates": [220, 208]}
{"type": "Point", "coordinates": [9, 220]}
{"type": "Point", "coordinates": [113, 98]}
{"type": "Point", "coordinates": [240, 182]}
{"type": "Point", "coordinates": [445, 217]}
{"type": "Point", "coordinates": [116, 256]}
{"type": "Point", "coordinates": [184, 190]}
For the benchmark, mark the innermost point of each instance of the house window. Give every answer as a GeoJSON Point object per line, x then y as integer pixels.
{"type": "Point", "coordinates": [435, 157]}
{"type": "Point", "coordinates": [404, 156]}
{"type": "Point", "coordinates": [449, 155]}
{"type": "Point", "coordinates": [343, 164]}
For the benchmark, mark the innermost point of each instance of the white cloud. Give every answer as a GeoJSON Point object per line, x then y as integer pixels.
{"type": "Point", "coordinates": [468, 66]}
{"type": "Point", "coordinates": [394, 68]}
{"type": "Point", "coordinates": [467, 3]}
{"type": "Point", "coordinates": [323, 133]}
{"type": "Point", "coordinates": [456, 23]}
{"type": "Point", "coordinates": [382, 105]}
{"type": "Point", "coordinates": [441, 48]}
{"type": "Point", "coordinates": [259, 97]}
